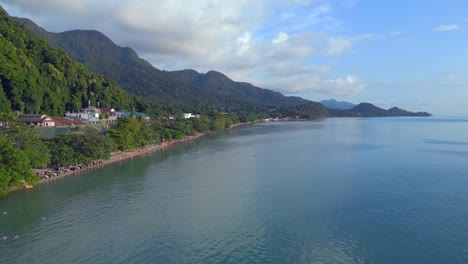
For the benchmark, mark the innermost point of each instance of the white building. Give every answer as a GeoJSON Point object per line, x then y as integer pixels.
{"type": "Point", "coordinates": [189, 115]}
{"type": "Point", "coordinates": [89, 114]}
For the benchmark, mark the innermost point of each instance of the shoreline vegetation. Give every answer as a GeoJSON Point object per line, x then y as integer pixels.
{"type": "Point", "coordinates": [119, 156]}
{"type": "Point", "coordinates": [87, 149]}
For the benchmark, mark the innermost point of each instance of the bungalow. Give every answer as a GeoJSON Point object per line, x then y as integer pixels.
{"type": "Point", "coordinates": [37, 119]}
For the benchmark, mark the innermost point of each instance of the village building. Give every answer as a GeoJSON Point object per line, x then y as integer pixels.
{"type": "Point", "coordinates": [40, 120]}
{"type": "Point", "coordinates": [63, 121]}
{"type": "Point", "coordinates": [93, 115]}
{"type": "Point", "coordinates": [89, 115]}
{"type": "Point", "coordinates": [109, 115]}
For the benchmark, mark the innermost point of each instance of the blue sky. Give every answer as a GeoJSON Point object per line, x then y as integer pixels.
{"type": "Point", "coordinates": [411, 54]}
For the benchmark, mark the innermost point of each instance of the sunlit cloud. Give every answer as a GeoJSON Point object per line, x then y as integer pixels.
{"type": "Point", "coordinates": [446, 28]}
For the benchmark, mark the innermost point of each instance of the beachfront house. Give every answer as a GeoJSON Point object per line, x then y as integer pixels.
{"type": "Point", "coordinates": [40, 120]}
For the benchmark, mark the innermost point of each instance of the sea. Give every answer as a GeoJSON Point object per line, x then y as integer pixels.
{"type": "Point", "coordinates": [339, 190]}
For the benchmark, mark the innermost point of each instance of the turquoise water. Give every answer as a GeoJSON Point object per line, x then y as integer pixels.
{"type": "Point", "coordinates": [334, 191]}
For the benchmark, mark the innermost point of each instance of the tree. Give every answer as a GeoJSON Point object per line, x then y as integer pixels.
{"type": "Point", "coordinates": [26, 138]}
{"type": "Point", "coordinates": [15, 168]}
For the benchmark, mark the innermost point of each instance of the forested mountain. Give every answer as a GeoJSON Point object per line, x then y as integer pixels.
{"type": "Point", "coordinates": [333, 104]}
{"type": "Point", "coordinates": [37, 78]}
{"type": "Point", "coordinates": [214, 82]}
{"type": "Point", "coordinates": [310, 110]}
{"type": "Point", "coordinates": [138, 77]}
{"type": "Point", "coordinates": [122, 65]}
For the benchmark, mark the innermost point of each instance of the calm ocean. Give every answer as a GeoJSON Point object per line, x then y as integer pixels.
{"type": "Point", "coordinates": [375, 190]}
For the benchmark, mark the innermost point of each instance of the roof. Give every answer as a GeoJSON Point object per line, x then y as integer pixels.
{"type": "Point", "coordinates": [107, 110]}
{"type": "Point", "coordinates": [63, 121]}
{"type": "Point", "coordinates": [91, 109]}
{"type": "Point", "coordinates": [32, 116]}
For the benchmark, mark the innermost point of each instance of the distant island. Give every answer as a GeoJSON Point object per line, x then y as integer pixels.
{"type": "Point", "coordinates": [370, 110]}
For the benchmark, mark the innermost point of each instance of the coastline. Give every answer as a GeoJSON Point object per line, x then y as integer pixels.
{"type": "Point", "coordinates": [124, 155]}
{"type": "Point", "coordinates": [115, 157]}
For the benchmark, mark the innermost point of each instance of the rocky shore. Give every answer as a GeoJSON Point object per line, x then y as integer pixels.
{"type": "Point", "coordinates": [48, 175]}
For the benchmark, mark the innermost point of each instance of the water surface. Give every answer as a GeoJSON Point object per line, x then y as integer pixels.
{"type": "Point", "coordinates": [370, 190]}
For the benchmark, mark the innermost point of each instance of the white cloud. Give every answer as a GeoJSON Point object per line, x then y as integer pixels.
{"type": "Point", "coordinates": [243, 43]}
{"type": "Point", "coordinates": [337, 45]}
{"type": "Point", "coordinates": [281, 37]}
{"type": "Point", "coordinates": [446, 28]}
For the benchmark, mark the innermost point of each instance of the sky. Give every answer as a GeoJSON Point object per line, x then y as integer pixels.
{"type": "Point", "coordinates": [411, 54]}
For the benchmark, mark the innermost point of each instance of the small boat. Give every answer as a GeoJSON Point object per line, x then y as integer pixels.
{"type": "Point", "coordinates": [27, 186]}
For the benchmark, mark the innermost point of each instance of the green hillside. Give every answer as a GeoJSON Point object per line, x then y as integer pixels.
{"type": "Point", "coordinates": [37, 78]}
{"type": "Point", "coordinates": [214, 82]}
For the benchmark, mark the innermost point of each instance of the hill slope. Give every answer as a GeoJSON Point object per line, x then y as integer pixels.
{"type": "Point", "coordinates": [230, 91]}
{"type": "Point", "coordinates": [333, 104]}
{"type": "Point", "coordinates": [138, 77]}
{"type": "Point", "coordinates": [37, 78]}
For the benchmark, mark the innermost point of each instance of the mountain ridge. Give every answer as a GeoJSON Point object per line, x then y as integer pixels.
{"type": "Point", "coordinates": [370, 110]}
{"type": "Point", "coordinates": [140, 78]}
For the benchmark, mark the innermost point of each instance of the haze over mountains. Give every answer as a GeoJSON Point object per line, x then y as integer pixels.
{"type": "Point", "coordinates": [333, 104]}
